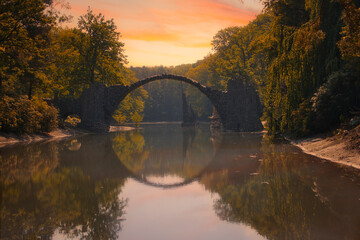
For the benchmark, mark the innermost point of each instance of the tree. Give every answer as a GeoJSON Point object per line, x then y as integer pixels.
{"type": "Point", "coordinates": [131, 108]}
{"type": "Point", "coordinates": [350, 42]}
{"type": "Point", "coordinates": [100, 48]}
{"type": "Point", "coordinates": [92, 53]}
{"type": "Point", "coordinates": [239, 51]}
{"type": "Point", "coordinates": [65, 68]}
{"type": "Point", "coordinates": [24, 29]}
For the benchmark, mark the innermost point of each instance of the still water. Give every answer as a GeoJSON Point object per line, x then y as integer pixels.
{"type": "Point", "coordinates": [166, 182]}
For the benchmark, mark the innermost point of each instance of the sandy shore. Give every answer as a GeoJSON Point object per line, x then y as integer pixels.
{"type": "Point", "coordinates": [334, 149]}
{"type": "Point", "coordinates": [121, 128]}
{"type": "Point", "coordinates": [8, 139]}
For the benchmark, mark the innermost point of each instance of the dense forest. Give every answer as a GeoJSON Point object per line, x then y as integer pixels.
{"type": "Point", "coordinates": [303, 57]}
{"type": "Point", "coordinates": [165, 97]}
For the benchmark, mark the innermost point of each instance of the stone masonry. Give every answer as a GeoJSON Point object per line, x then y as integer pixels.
{"type": "Point", "coordinates": [238, 107]}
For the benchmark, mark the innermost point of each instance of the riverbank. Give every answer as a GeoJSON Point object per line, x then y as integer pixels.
{"type": "Point", "coordinates": [11, 138]}
{"type": "Point", "coordinates": [343, 148]}
{"type": "Point", "coordinates": [122, 128]}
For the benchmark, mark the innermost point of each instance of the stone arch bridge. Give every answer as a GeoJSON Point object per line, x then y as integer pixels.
{"type": "Point", "coordinates": [238, 108]}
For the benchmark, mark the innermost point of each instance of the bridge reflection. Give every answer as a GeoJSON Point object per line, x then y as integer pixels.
{"type": "Point", "coordinates": [141, 156]}
{"type": "Point", "coordinates": [77, 183]}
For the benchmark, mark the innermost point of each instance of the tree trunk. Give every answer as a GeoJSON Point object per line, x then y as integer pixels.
{"type": "Point", "coordinates": [31, 82]}
{"type": "Point", "coordinates": [92, 76]}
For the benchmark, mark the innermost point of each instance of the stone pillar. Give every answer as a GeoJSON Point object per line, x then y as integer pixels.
{"type": "Point", "coordinates": [189, 117]}
{"type": "Point", "coordinates": [92, 108]}
{"type": "Point", "coordinates": [242, 108]}
{"type": "Point", "coordinates": [215, 121]}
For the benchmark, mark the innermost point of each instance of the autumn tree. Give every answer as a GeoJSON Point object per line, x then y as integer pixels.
{"type": "Point", "coordinates": [24, 48]}
{"type": "Point", "coordinates": [100, 49]}
{"type": "Point", "coordinates": [350, 42]}
{"type": "Point", "coordinates": [24, 29]}
{"type": "Point", "coordinates": [239, 51]}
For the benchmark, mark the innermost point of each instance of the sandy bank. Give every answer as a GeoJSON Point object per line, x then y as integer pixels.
{"type": "Point", "coordinates": [8, 139]}
{"type": "Point", "coordinates": [121, 128]}
{"type": "Point", "coordinates": [342, 149]}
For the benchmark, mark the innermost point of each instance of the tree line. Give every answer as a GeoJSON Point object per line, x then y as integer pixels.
{"type": "Point", "coordinates": [39, 59]}
{"type": "Point", "coordinates": [164, 102]}
{"type": "Point", "coordinates": [303, 57]}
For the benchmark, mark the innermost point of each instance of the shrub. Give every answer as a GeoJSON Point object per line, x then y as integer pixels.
{"type": "Point", "coordinates": [333, 100]}
{"type": "Point", "coordinates": [136, 118]}
{"type": "Point", "coordinates": [302, 119]}
{"type": "Point", "coordinates": [22, 115]}
{"type": "Point", "coordinates": [72, 121]}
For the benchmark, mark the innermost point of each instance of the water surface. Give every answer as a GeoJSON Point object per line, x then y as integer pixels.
{"type": "Point", "coordinates": [168, 182]}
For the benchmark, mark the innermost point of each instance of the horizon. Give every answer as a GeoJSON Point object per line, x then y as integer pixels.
{"type": "Point", "coordinates": [168, 32]}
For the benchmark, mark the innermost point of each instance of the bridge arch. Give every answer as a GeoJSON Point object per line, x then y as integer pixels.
{"type": "Point", "coordinates": [119, 92]}
{"type": "Point", "coordinates": [238, 108]}
{"type": "Point", "coordinates": [145, 181]}
{"type": "Point", "coordinates": [204, 89]}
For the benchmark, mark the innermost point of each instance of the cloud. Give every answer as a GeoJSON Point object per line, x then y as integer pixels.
{"type": "Point", "coordinates": [186, 26]}
{"type": "Point", "coordinates": [196, 12]}
{"type": "Point", "coordinates": [162, 53]}
{"type": "Point", "coordinates": [151, 36]}
{"type": "Point", "coordinates": [175, 12]}
{"type": "Point", "coordinates": [197, 45]}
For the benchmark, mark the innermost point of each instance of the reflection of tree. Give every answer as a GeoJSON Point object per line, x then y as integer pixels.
{"type": "Point", "coordinates": [92, 205]}
{"type": "Point", "coordinates": [129, 148]}
{"type": "Point", "coordinates": [188, 135]}
{"type": "Point", "coordinates": [196, 153]}
{"type": "Point", "coordinates": [23, 161]}
{"type": "Point", "coordinates": [65, 200]}
{"type": "Point", "coordinates": [282, 201]}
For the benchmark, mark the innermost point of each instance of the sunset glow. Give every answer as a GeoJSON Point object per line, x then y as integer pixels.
{"type": "Point", "coordinates": [169, 32]}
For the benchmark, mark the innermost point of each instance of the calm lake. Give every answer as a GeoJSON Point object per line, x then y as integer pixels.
{"type": "Point", "coordinates": [165, 182]}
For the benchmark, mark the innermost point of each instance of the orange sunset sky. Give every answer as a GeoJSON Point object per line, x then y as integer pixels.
{"type": "Point", "coordinates": [168, 32]}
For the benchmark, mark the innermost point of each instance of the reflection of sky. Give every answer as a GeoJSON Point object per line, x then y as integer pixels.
{"type": "Point", "coordinates": [169, 32]}
{"type": "Point", "coordinates": [167, 179]}
{"type": "Point", "coordinates": [181, 213]}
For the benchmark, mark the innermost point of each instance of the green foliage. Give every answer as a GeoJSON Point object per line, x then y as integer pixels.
{"type": "Point", "coordinates": [22, 115]}
{"type": "Point", "coordinates": [87, 54]}
{"type": "Point", "coordinates": [40, 59]}
{"type": "Point", "coordinates": [93, 53]}
{"type": "Point", "coordinates": [204, 72]}
{"type": "Point", "coordinates": [305, 61]}
{"type": "Point", "coordinates": [66, 69]}
{"type": "Point", "coordinates": [72, 120]}
{"type": "Point", "coordinates": [239, 52]}
{"type": "Point", "coordinates": [350, 41]}
{"type": "Point", "coordinates": [330, 104]}
{"type": "Point", "coordinates": [290, 52]}
{"type": "Point", "coordinates": [164, 101]}
{"type": "Point", "coordinates": [293, 52]}
{"type": "Point", "coordinates": [131, 108]}
{"type": "Point", "coordinates": [136, 118]}
{"type": "Point", "coordinates": [303, 119]}
{"type": "Point", "coordinates": [24, 41]}
{"type": "Point", "coordinates": [100, 49]}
